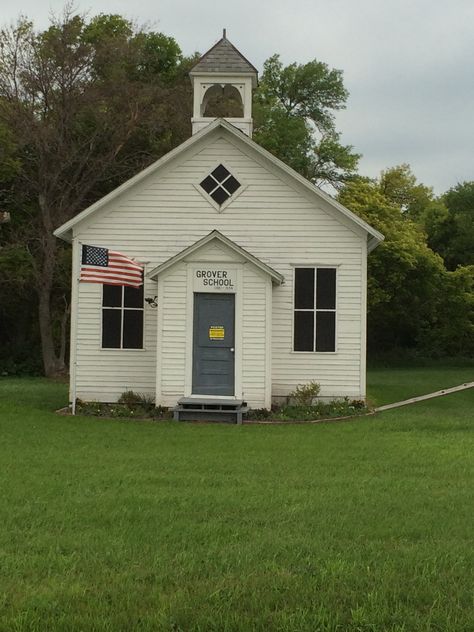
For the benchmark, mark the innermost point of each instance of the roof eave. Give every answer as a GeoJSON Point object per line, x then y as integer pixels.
{"type": "Point", "coordinates": [64, 235]}
{"type": "Point", "coordinates": [302, 180]}
{"type": "Point", "coordinates": [208, 73]}
{"type": "Point", "coordinates": [373, 241]}
{"type": "Point", "coordinates": [65, 231]}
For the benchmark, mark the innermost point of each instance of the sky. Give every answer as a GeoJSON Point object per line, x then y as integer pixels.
{"type": "Point", "coordinates": [408, 65]}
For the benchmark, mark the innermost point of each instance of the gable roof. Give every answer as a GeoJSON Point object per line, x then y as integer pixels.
{"type": "Point", "coordinates": [374, 237]}
{"type": "Point", "coordinates": [215, 234]}
{"type": "Point", "coordinates": [223, 57]}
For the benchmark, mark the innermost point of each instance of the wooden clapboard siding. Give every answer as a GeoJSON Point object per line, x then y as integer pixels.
{"type": "Point", "coordinates": [254, 336]}
{"type": "Point", "coordinates": [172, 337]}
{"type": "Point", "coordinates": [275, 220]}
{"type": "Point", "coordinates": [104, 374]}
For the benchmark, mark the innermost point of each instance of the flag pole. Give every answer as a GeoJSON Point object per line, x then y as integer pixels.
{"type": "Point", "coordinates": [74, 322]}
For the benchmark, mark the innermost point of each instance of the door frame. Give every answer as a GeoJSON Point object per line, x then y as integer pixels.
{"type": "Point", "coordinates": [238, 315]}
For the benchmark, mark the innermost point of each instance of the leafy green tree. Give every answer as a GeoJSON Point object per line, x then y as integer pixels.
{"type": "Point", "coordinates": [88, 103]}
{"type": "Point", "coordinates": [294, 109]}
{"type": "Point", "coordinates": [451, 333]}
{"type": "Point", "coordinates": [413, 301]}
{"type": "Point", "coordinates": [399, 185]}
{"type": "Point", "coordinates": [450, 227]}
{"type": "Point", "coordinates": [447, 220]}
{"type": "Point", "coordinates": [404, 275]}
{"type": "Point", "coordinates": [121, 51]}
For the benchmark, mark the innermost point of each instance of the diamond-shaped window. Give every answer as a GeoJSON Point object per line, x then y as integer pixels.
{"type": "Point", "coordinates": [220, 184]}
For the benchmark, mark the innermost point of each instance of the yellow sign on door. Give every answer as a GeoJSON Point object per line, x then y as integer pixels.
{"type": "Point", "coordinates": [216, 333]}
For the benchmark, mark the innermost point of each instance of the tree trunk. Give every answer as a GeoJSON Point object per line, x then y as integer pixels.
{"type": "Point", "coordinates": [53, 365]}
{"type": "Point", "coordinates": [63, 339]}
{"type": "Point", "coordinates": [50, 361]}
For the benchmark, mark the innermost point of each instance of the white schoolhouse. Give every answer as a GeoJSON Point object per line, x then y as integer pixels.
{"type": "Point", "coordinates": [254, 279]}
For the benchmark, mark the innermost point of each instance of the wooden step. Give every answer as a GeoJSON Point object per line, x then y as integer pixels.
{"type": "Point", "coordinates": [210, 409]}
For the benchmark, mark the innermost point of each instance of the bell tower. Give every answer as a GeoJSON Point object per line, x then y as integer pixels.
{"type": "Point", "coordinates": [222, 85]}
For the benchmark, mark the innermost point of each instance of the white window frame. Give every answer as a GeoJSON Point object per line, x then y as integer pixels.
{"type": "Point", "coordinates": [122, 309]}
{"type": "Point", "coordinates": [314, 309]}
{"type": "Point", "coordinates": [221, 207]}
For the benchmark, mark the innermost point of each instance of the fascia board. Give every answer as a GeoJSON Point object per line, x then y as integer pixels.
{"type": "Point", "coordinates": [373, 242]}
{"type": "Point", "coordinates": [63, 232]}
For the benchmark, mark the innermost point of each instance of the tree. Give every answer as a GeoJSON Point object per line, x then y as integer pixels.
{"type": "Point", "coordinates": [88, 104]}
{"type": "Point", "coordinates": [447, 220]}
{"type": "Point", "coordinates": [451, 333]}
{"type": "Point", "coordinates": [413, 302]}
{"type": "Point", "coordinates": [450, 227]}
{"type": "Point", "coordinates": [399, 185]}
{"type": "Point", "coordinates": [18, 331]}
{"type": "Point", "coordinates": [294, 109]}
{"type": "Point", "coordinates": [404, 275]}
{"type": "Point", "coordinates": [9, 164]}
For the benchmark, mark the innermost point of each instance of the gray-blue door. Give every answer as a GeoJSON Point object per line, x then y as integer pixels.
{"type": "Point", "coordinates": [213, 344]}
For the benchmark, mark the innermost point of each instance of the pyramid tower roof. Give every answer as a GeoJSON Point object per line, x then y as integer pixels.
{"type": "Point", "coordinates": [223, 58]}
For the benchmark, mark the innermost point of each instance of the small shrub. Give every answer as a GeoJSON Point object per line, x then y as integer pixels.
{"type": "Point", "coordinates": [130, 404]}
{"type": "Point", "coordinates": [305, 412]}
{"type": "Point", "coordinates": [259, 414]}
{"type": "Point", "coordinates": [358, 404]}
{"type": "Point", "coordinates": [161, 412]}
{"type": "Point", "coordinates": [305, 394]}
{"type": "Point", "coordinates": [320, 411]}
{"type": "Point", "coordinates": [147, 403]}
{"type": "Point", "coordinates": [130, 399]}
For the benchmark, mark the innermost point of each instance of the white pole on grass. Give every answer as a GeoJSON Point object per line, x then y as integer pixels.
{"type": "Point", "coordinates": [74, 322]}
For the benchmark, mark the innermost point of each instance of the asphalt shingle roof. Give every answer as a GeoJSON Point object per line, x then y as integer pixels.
{"type": "Point", "coordinates": [223, 57]}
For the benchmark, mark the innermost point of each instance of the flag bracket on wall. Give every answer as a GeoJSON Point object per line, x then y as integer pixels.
{"type": "Point", "coordinates": [152, 301]}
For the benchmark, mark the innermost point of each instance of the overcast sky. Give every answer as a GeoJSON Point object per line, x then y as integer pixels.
{"type": "Point", "coordinates": [408, 65]}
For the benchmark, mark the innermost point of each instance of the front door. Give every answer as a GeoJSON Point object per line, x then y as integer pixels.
{"type": "Point", "coordinates": [213, 344]}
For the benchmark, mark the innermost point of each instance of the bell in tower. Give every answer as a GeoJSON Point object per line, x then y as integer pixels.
{"type": "Point", "coordinates": [222, 84]}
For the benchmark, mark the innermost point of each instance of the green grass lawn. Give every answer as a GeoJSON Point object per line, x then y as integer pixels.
{"type": "Point", "coordinates": [387, 385]}
{"type": "Point", "coordinates": [363, 526]}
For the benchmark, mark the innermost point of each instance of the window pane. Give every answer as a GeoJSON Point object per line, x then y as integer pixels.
{"type": "Point", "coordinates": [219, 195]}
{"type": "Point", "coordinates": [111, 328]}
{"type": "Point", "coordinates": [325, 331]}
{"type": "Point", "coordinates": [326, 288]}
{"type": "Point", "coordinates": [304, 288]}
{"type": "Point", "coordinates": [220, 173]}
{"type": "Point", "coordinates": [231, 184]}
{"type": "Point", "coordinates": [304, 331]}
{"type": "Point", "coordinates": [112, 296]}
{"type": "Point", "coordinates": [133, 297]}
{"type": "Point", "coordinates": [133, 329]}
{"type": "Point", "coordinates": [208, 184]}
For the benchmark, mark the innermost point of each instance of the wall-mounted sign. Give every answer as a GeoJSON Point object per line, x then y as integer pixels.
{"type": "Point", "coordinates": [215, 279]}
{"type": "Point", "coordinates": [216, 332]}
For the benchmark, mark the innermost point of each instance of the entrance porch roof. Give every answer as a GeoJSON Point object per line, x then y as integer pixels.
{"type": "Point", "coordinates": [276, 277]}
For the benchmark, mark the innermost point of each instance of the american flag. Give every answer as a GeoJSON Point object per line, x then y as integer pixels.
{"type": "Point", "coordinates": [100, 265]}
